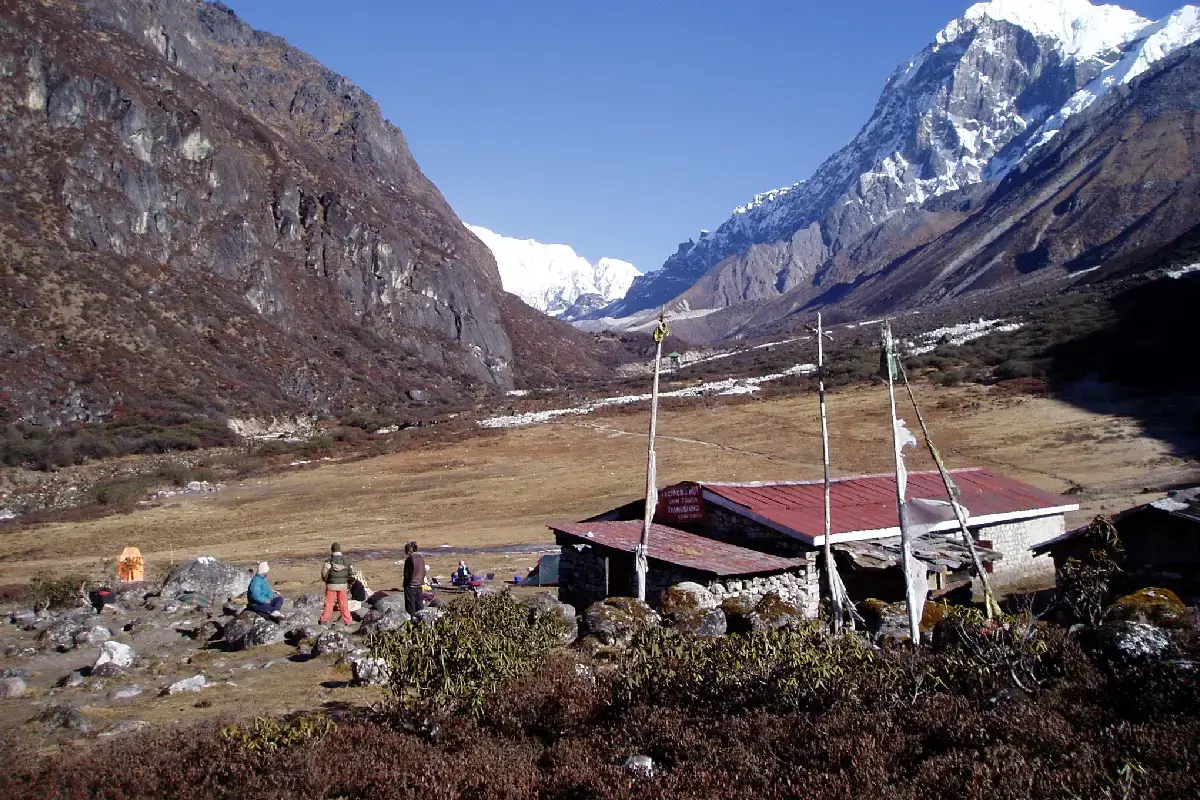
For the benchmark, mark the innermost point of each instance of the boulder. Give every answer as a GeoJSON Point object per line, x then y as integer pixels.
{"type": "Point", "coordinates": [128, 726]}
{"type": "Point", "coordinates": [106, 670]}
{"type": "Point", "coordinates": [130, 595]}
{"type": "Point", "coordinates": [232, 608]}
{"type": "Point", "coordinates": [773, 613]}
{"type": "Point", "coordinates": [192, 684]}
{"type": "Point", "coordinates": [368, 670]}
{"type": "Point", "coordinates": [1153, 606]}
{"type": "Point", "coordinates": [303, 633]}
{"type": "Point", "coordinates": [887, 623]}
{"type": "Point", "coordinates": [387, 602]}
{"type": "Point", "coordinates": [331, 642]}
{"type": "Point", "coordinates": [114, 653]}
{"type": "Point", "coordinates": [737, 610]}
{"type": "Point", "coordinates": [1127, 644]}
{"type": "Point", "coordinates": [208, 577]}
{"type": "Point", "coordinates": [428, 615]}
{"type": "Point", "coordinates": [125, 693]}
{"type": "Point", "coordinates": [307, 601]}
{"type": "Point", "coordinates": [72, 680]}
{"type": "Point", "coordinates": [377, 620]}
{"type": "Point", "coordinates": [59, 635]}
{"type": "Point", "coordinates": [96, 634]}
{"type": "Point", "coordinates": [615, 621]}
{"type": "Point", "coordinates": [686, 596]}
{"type": "Point", "coordinates": [12, 687]}
{"type": "Point", "coordinates": [250, 630]}
{"type": "Point", "coordinates": [60, 716]}
{"type": "Point", "coordinates": [544, 604]}
{"type": "Point", "coordinates": [700, 622]}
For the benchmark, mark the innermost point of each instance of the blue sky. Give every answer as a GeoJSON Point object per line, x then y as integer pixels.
{"type": "Point", "coordinates": [620, 127]}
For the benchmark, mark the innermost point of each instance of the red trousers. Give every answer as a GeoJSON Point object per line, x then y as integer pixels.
{"type": "Point", "coordinates": [342, 598]}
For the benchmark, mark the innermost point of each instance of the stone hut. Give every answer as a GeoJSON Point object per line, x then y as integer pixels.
{"type": "Point", "coordinates": [1005, 517]}
{"type": "Point", "coordinates": [1161, 543]}
{"type": "Point", "coordinates": [597, 562]}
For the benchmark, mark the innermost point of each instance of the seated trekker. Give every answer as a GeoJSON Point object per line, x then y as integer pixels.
{"type": "Point", "coordinates": [260, 598]}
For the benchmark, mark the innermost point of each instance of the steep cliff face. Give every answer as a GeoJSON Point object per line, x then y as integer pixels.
{"type": "Point", "coordinates": [192, 207]}
{"type": "Point", "coordinates": [991, 89]}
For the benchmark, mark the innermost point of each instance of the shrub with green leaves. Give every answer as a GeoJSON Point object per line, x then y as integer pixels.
{"type": "Point", "coordinates": [980, 655]}
{"type": "Point", "coordinates": [780, 669]}
{"type": "Point", "coordinates": [458, 661]}
{"type": "Point", "coordinates": [60, 591]}
{"type": "Point", "coordinates": [1085, 581]}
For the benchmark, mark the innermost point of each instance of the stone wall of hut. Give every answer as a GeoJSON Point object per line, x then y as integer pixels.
{"type": "Point", "coordinates": [1013, 540]}
{"type": "Point", "coordinates": [801, 587]}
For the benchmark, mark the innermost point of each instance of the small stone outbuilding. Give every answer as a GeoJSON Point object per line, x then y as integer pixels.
{"type": "Point", "coordinates": [1160, 540]}
{"type": "Point", "coordinates": [598, 562]}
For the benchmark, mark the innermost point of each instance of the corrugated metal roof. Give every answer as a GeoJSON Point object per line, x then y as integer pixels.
{"type": "Point", "coordinates": [679, 547]}
{"type": "Point", "coordinates": [868, 502]}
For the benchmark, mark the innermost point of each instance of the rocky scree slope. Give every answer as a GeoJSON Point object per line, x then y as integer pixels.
{"type": "Point", "coordinates": [194, 210]}
{"type": "Point", "coordinates": [992, 89]}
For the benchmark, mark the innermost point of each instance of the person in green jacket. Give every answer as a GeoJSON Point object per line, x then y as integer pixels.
{"type": "Point", "coordinates": [260, 598]}
{"type": "Point", "coordinates": [336, 574]}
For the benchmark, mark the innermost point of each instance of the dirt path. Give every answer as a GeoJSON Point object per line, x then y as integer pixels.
{"type": "Point", "coordinates": [504, 488]}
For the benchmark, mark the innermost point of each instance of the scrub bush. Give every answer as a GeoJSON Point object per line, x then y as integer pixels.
{"type": "Point", "coordinates": [457, 662]}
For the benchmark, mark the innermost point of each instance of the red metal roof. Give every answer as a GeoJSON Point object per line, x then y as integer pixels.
{"type": "Point", "coordinates": [868, 503]}
{"type": "Point", "coordinates": [679, 547]}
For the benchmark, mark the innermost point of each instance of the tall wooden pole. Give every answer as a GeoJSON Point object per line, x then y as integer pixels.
{"type": "Point", "coordinates": [835, 595]}
{"type": "Point", "coordinates": [640, 555]}
{"type": "Point", "coordinates": [914, 618]}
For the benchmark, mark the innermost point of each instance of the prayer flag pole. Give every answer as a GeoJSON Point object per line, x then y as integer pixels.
{"type": "Point", "coordinates": [640, 554]}
{"type": "Point", "coordinates": [831, 576]}
{"type": "Point", "coordinates": [906, 559]}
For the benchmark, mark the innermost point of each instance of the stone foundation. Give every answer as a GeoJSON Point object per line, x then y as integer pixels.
{"type": "Point", "coordinates": [800, 587]}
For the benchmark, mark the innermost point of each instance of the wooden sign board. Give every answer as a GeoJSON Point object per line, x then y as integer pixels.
{"type": "Point", "coordinates": [680, 503]}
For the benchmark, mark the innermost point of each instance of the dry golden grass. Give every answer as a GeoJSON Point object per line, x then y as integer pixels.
{"type": "Point", "coordinates": [504, 489]}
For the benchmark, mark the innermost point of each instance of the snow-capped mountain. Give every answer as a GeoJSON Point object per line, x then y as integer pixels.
{"type": "Point", "coordinates": [551, 277]}
{"type": "Point", "coordinates": [992, 87]}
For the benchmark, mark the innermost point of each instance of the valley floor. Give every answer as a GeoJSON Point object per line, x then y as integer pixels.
{"type": "Point", "coordinates": [503, 487]}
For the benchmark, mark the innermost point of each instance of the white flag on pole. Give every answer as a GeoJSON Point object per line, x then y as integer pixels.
{"type": "Point", "coordinates": [903, 439]}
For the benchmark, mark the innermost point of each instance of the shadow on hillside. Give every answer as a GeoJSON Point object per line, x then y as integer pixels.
{"type": "Point", "coordinates": [1144, 363]}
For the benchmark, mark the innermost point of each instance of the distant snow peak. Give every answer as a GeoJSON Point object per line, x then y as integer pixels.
{"type": "Point", "coordinates": [551, 277]}
{"type": "Point", "coordinates": [1081, 29]}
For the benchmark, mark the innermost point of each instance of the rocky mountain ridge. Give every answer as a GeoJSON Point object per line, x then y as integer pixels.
{"type": "Point", "coordinates": [993, 88]}
{"type": "Point", "coordinates": [198, 217]}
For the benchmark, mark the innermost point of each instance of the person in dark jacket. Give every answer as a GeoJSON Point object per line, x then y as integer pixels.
{"type": "Point", "coordinates": [260, 598]}
{"type": "Point", "coordinates": [336, 574]}
{"type": "Point", "coordinates": [414, 577]}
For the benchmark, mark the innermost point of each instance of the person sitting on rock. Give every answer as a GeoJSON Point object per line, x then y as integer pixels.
{"type": "Point", "coordinates": [462, 575]}
{"type": "Point", "coordinates": [336, 574]}
{"type": "Point", "coordinates": [260, 598]}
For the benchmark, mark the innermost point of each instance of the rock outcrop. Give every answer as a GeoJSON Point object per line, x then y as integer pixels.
{"type": "Point", "coordinates": [230, 224]}
{"type": "Point", "coordinates": [216, 580]}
